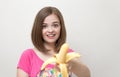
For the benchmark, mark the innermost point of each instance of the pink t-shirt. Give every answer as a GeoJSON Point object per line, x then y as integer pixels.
{"type": "Point", "coordinates": [30, 63]}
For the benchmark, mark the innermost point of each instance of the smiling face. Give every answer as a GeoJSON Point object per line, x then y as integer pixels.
{"type": "Point", "coordinates": [51, 29]}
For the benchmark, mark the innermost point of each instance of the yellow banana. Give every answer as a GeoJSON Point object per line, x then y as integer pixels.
{"type": "Point", "coordinates": [61, 59]}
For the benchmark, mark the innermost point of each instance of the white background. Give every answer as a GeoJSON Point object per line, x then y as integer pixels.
{"type": "Point", "coordinates": [93, 28]}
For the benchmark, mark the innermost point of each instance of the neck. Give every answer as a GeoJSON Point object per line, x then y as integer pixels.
{"type": "Point", "coordinates": [49, 46]}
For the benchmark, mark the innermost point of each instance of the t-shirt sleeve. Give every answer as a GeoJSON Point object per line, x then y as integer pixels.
{"type": "Point", "coordinates": [24, 62]}
{"type": "Point", "coordinates": [70, 50]}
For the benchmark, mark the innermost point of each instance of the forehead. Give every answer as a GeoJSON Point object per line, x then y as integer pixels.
{"type": "Point", "coordinates": [51, 18]}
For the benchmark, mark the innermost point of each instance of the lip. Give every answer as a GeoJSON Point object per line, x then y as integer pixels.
{"type": "Point", "coordinates": [51, 36]}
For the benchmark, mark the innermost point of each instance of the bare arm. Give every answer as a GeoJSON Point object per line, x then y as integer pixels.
{"type": "Point", "coordinates": [79, 69]}
{"type": "Point", "coordinates": [21, 73]}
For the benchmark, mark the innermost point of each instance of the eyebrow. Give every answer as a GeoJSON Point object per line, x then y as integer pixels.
{"type": "Point", "coordinates": [56, 22]}
{"type": "Point", "coordinates": [53, 22]}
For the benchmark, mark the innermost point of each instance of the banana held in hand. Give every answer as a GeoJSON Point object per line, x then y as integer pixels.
{"type": "Point", "coordinates": [61, 59]}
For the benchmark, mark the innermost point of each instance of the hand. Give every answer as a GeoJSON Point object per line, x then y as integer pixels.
{"type": "Point", "coordinates": [78, 68]}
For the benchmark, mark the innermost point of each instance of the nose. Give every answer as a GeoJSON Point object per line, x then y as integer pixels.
{"type": "Point", "coordinates": [50, 29]}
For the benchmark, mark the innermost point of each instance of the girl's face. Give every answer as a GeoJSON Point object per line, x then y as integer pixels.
{"type": "Point", "coordinates": [51, 29]}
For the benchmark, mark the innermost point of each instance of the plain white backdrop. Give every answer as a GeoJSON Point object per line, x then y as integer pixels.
{"type": "Point", "coordinates": [93, 28]}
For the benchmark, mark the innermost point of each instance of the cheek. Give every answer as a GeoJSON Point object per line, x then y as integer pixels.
{"type": "Point", "coordinates": [58, 32]}
{"type": "Point", "coordinates": [43, 31]}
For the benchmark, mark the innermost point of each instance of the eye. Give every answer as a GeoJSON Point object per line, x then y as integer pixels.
{"type": "Point", "coordinates": [44, 26]}
{"type": "Point", "coordinates": [56, 25]}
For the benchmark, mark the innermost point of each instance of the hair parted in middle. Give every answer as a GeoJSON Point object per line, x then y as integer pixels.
{"type": "Point", "coordinates": [36, 34]}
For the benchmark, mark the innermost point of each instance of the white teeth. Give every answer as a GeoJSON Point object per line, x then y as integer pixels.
{"type": "Point", "coordinates": [51, 35]}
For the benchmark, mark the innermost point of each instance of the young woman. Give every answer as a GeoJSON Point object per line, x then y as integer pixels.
{"type": "Point", "coordinates": [48, 34]}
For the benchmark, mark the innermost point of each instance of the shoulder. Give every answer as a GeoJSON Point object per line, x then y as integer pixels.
{"type": "Point", "coordinates": [27, 53]}
{"type": "Point", "coordinates": [26, 57]}
{"type": "Point", "coordinates": [29, 50]}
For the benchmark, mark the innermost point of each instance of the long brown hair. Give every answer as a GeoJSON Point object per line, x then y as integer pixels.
{"type": "Point", "coordinates": [36, 34]}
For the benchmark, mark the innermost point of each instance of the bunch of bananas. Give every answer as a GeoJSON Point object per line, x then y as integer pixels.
{"type": "Point", "coordinates": [62, 58]}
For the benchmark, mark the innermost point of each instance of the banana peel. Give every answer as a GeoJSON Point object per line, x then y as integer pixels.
{"type": "Point", "coordinates": [62, 58]}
